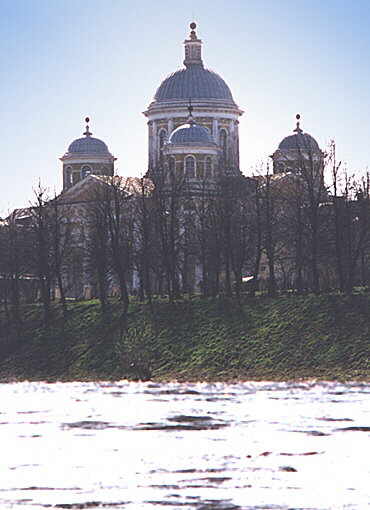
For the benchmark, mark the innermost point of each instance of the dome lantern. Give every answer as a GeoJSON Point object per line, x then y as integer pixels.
{"type": "Point", "coordinates": [193, 48]}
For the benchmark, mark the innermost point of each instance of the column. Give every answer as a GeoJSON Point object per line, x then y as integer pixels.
{"type": "Point", "coordinates": [215, 130]}
{"type": "Point", "coordinates": [154, 144]}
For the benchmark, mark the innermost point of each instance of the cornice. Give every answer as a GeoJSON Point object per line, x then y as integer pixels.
{"type": "Point", "coordinates": [87, 158]}
{"type": "Point", "coordinates": [200, 105]}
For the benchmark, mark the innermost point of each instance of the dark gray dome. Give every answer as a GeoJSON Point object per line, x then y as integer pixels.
{"type": "Point", "coordinates": [302, 141]}
{"type": "Point", "coordinates": [193, 82]}
{"type": "Point", "coordinates": [191, 134]}
{"type": "Point", "coordinates": [88, 145]}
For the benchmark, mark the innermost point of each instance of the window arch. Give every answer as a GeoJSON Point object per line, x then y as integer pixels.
{"type": "Point", "coordinates": [85, 171]}
{"type": "Point", "coordinates": [208, 168]}
{"type": "Point", "coordinates": [223, 144]}
{"type": "Point", "coordinates": [190, 167]}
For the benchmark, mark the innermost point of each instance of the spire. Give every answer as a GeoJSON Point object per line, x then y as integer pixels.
{"type": "Point", "coordinates": [87, 132]}
{"type": "Point", "coordinates": [298, 130]}
{"type": "Point", "coordinates": [193, 48]}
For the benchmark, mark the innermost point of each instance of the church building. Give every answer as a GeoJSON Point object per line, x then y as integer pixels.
{"type": "Point", "coordinates": [193, 133]}
{"type": "Point", "coordinates": [201, 142]}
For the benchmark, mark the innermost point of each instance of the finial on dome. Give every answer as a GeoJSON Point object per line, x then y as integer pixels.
{"type": "Point", "coordinates": [190, 110]}
{"type": "Point", "coordinates": [193, 34]}
{"type": "Point", "coordinates": [87, 132]}
{"type": "Point", "coordinates": [297, 130]}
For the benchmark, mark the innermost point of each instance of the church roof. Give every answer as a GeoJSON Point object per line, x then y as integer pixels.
{"type": "Point", "coordinates": [299, 141]}
{"type": "Point", "coordinates": [87, 190]}
{"type": "Point", "coordinates": [88, 145]}
{"type": "Point", "coordinates": [194, 81]}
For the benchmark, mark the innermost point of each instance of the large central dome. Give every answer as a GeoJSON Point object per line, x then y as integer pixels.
{"type": "Point", "coordinates": [193, 82]}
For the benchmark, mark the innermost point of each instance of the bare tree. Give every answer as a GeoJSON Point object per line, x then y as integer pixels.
{"type": "Point", "coordinates": [98, 248]}
{"type": "Point", "coordinates": [167, 197]}
{"type": "Point", "coordinates": [120, 234]}
{"type": "Point", "coordinates": [352, 219]}
{"type": "Point", "coordinates": [272, 217]}
{"type": "Point", "coordinates": [145, 239]}
{"type": "Point", "coordinates": [60, 233]}
{"type": "Point", "coordinates": [42, 248]}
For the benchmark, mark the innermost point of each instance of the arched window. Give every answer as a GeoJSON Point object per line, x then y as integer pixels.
{"type": "Point", "coordinates": [208, 165]}
{"type": "Point", "coordinates": [85, 171]}
{"type": "Point", "coordinates": [76, 177]}
{"type": "Point", "coordinates": [162, 141]}
{"type": "Point", "coordinates": [223, 144]}
{"type": "Point", "coordinates": [190, 167]}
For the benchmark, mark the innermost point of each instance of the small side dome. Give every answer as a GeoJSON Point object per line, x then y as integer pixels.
{"type": "Point", "coordinates": [301, 141]}
{"type": "Point", "coordinates": [88, 145]}
{"type": "Point", "coordinates": [191, 134]}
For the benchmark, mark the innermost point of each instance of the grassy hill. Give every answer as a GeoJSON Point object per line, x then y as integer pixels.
{"type": "Point", "coordinates": [285, 338]}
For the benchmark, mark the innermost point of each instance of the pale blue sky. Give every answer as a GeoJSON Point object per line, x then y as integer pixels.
{"type": "Point", "coordinates": [64, 59]}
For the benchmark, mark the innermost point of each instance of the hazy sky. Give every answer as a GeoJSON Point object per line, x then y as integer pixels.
{"type": "Point", "coordinates": [64, 59]}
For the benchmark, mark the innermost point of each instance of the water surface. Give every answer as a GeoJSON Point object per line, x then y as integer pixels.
{"type": "Point", "coordinates": [185, 446]}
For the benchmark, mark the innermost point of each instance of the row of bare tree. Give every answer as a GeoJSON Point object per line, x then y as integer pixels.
{"type": "Point", "coordinates": [286, 231]}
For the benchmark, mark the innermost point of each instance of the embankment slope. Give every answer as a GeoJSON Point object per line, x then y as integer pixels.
{"type": "Point", "coordinates": [292, 337]}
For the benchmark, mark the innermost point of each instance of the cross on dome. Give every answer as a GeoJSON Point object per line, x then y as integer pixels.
{"type": "Point", "coordinates": [87, 132]}
{"type": "Point", "coordinates": [191, 120]}
{"type": "Point", "coordinates": [298, 130]}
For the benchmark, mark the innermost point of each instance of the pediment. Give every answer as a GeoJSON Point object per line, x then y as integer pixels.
{"type": "Point", "coordinates": [84, 191]}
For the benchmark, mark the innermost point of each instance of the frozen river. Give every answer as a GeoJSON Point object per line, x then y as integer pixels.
{"type": "Point", "coordinates": [184, 446]}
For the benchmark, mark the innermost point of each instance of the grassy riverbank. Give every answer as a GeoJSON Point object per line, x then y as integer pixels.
{"type": "Point", "coordinates": [290, 337]}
